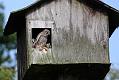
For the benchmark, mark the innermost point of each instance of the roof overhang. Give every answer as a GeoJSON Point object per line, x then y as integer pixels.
{"type": "Point", "coordinates": [14, 22]}
{"type": "Point", "coordinates": [17, 18]}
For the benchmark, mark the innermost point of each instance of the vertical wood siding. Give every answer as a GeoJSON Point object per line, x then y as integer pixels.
{"type": "Point", "coordinates": [79, 33]}
{"type": "Point", "coordinates": [21, 52]}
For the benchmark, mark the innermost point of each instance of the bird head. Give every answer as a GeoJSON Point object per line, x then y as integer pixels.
{"type": "Point", "coordinates": [47, 32]}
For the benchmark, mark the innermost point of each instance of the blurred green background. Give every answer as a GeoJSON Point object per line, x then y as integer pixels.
{"type": "Point", "coordinates": [7, 44]}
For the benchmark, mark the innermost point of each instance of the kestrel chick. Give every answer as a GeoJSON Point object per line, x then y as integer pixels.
{"type": "Point", "coordinates": [41, 39]}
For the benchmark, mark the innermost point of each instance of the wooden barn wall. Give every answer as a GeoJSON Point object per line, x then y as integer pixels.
{"type": "Point", "coordinates": [79, 33]}
{"type": "Point", "coordinates": [21, 52]}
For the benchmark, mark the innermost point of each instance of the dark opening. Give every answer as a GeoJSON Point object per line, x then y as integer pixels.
{"type": "Point", "coordinates": [81, 71]}
{"type": "Point", "coordinates": [37, 31]}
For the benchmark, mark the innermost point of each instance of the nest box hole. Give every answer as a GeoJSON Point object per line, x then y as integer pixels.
{"type": "Point", "coordinates": [41, 38]}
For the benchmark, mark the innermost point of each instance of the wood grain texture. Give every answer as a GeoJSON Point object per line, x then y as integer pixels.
{"type": "Point", "coordinates": [79, 33]}
{"type": "Point", "coordinates": [22, 64]}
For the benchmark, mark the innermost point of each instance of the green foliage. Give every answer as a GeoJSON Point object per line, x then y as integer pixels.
{"type": "Point", "coordinates": [7, 43]}
{"type": "Point", "coordinates": [113, 74]}
{"type": "Point", "coordinates": [6, 73]}
{"type": "Point", "coordinates": [1, 18]}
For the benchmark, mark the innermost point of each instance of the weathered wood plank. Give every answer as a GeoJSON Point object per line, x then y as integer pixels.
{"type": "Point", "coordinates": [79, 33]}
{"type": "Point", "coordinates": [22, 59]}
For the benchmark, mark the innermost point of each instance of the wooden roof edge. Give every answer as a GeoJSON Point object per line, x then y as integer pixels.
{"type": "Point", "coordinates": [10, 26]}
{"type": "Point", "coordinates": [15, 15]}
